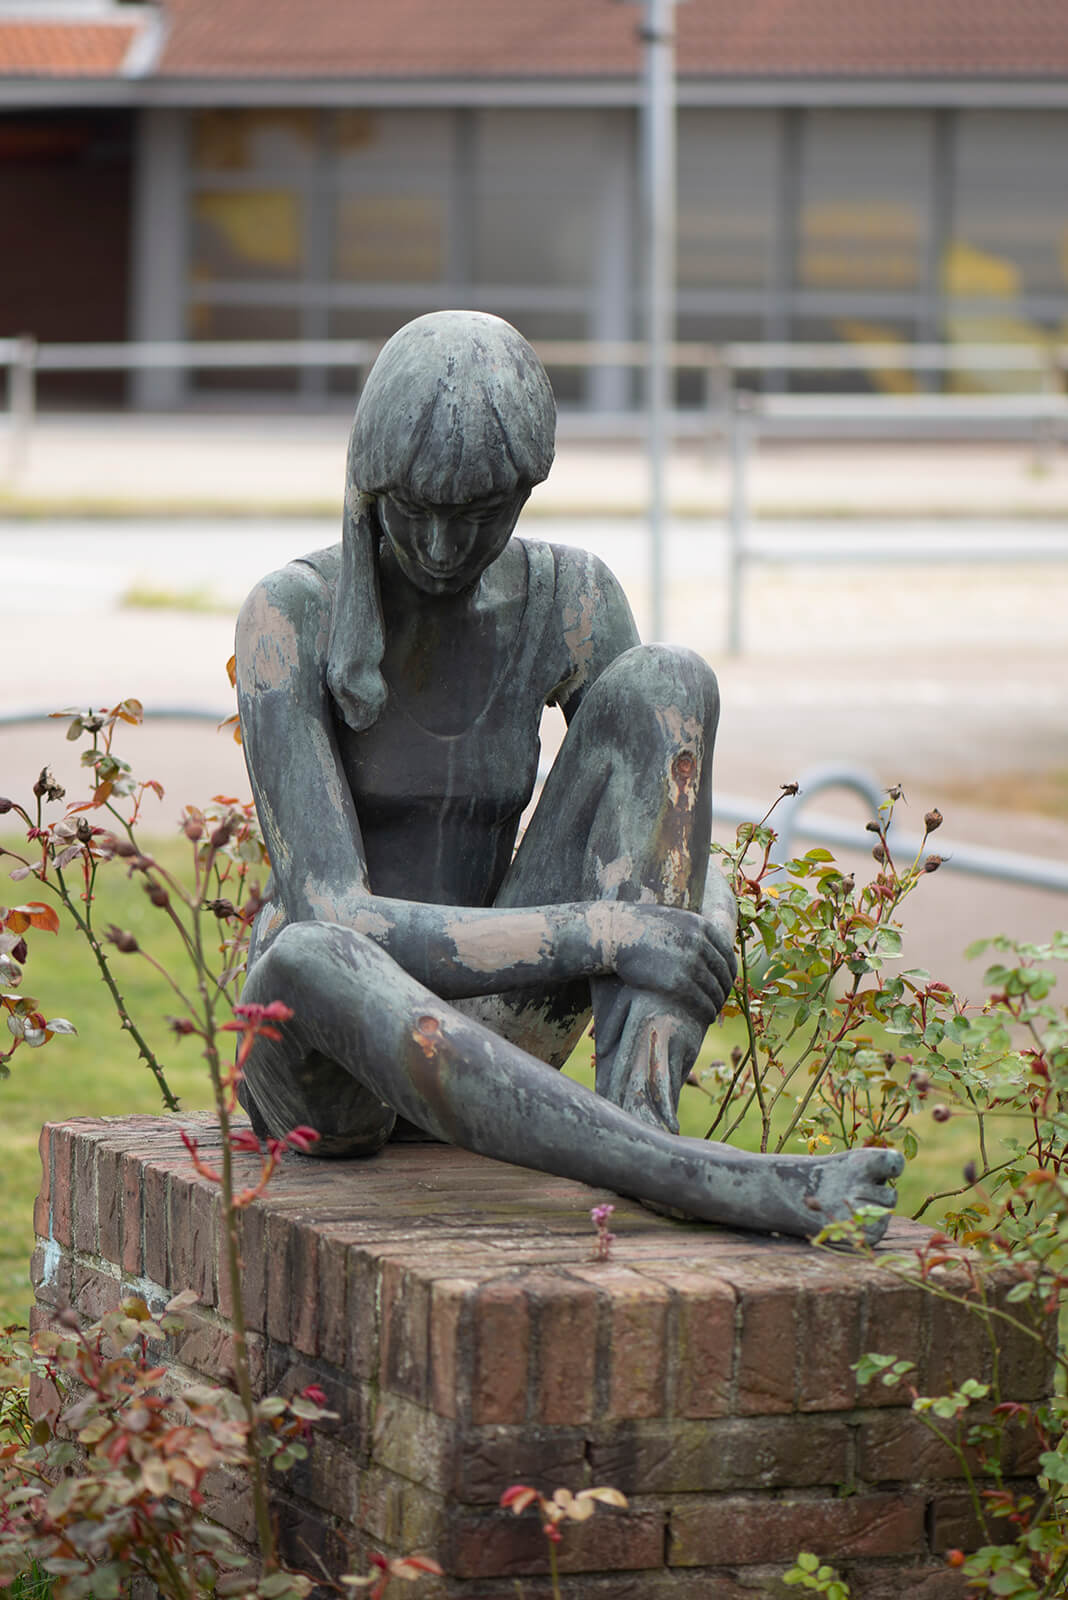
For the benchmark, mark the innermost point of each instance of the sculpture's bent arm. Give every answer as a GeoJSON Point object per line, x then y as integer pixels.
{"type": "Point", "coordinates": [313, 837]}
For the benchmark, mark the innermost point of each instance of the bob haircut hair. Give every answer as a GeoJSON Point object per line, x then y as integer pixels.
{"type": "Point", "coordinates": [456, 408]}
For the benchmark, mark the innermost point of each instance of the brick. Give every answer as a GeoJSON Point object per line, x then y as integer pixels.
{"type": "Point", "coordinates": [736, 1530]}
{"type": "Point", "coordinates": [765, 1377]}
{"type": "Point", "coordinates": [895, 1324]}
{"type": "Point", "coordinates": [155, 1181]}
{"type": "Point", "coordinates": [896, 1446]}
{"type": "Point", "coordinates": [926, 1582]}
{"type": "Point", "coordinates": [206, 1346]}
{"type": "Point", "coordinates": [333, 1292]}
{"type": "Point", "coordinates": [61, 1143]}
{"type": "Point", "coordinates": [634, 1311]}
{"type": "Point", "coordinates": [228, 1501]}
{"type": "Point", "coordinates": [109, 1196]}
{"type": "Point", "coordinates": [955, 1526]}
{"type": "Point", "coordinates": [700, 1332]}
{"type": "Point", "coordinates": [414, 1443]}
{"type": "Point", "coordinates": [501, 1544]}
{"type": "Point", "coordinates": [1026, 1359]}
{"type": "Point", "coordinates": [191, 1236]}
{"type": "Point", "coordinates": [84, 1201]}
{"type": "Point", "coordinates": [93, 1294]}
{"type": "Point", "coordinates": [309, 1541]}
{"type": "Point", "coordinates": [131, 1254]}
{"type": "Point", "coordinates": [42, 1205]}
{"type": "Point", "coordinates": [451, 1353]}
{"type": "Point", "coordinates": [717, 1456]}
{"type": "Point", "coordinates": [50, 1275]}
{"type": "Point", "coordinates": [701, 1584]}
{"type": "Point", "coordinates": [828, 1339]}
{"type": "Point", "coordinates": [404, 1347]}
{"type": "Point", "coordinates": [490, 1458]}
{"type": "Point", "coordinates": [564, 1313]}
{"type": "Point", "coordinates": [501, 1352]}
{"type": "Point", "coordinates": [961, 1340]}
{"type": "Point", "coordinates": [329, 1478]}
{"type": "Point", "coordinates": [363, 1314]}
{"type": "Point", "coordinates": [252, 1247]}
{"type": "Point", "coordinates": [398, 1513]}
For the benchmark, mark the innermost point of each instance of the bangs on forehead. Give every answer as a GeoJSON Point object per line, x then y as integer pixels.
{"type": "Point", "coordinates": [456, 408]}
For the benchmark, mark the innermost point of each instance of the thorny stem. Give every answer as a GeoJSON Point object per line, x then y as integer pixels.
{"type": "Point", "coordinates": [144, 1049]}
{"type": "Point", "coordinates": [264, 1530]}
{"type": "Point", "coordinates": [949, 1194]}
{"type": "Point", "coordinates": [554, 1573]}
{"type": "Point", "coordinates": [758, 1087]}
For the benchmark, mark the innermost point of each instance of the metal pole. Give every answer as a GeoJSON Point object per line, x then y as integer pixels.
{"type": "Point", "coordinates": [21, 399]}
{"type": "Point", "coordinates": [659, 147]}
{"type": "Point", "coordinates": [737, 519]}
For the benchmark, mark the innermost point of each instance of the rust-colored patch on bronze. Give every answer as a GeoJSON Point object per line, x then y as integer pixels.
{"type": "Point", "coordinates": [684, 768]}
{"type": "Point", "coordinates": [426, 1033]}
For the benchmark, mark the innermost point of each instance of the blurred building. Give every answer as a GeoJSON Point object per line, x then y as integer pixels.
{"type": "Point", "coordinates": [232, 169]}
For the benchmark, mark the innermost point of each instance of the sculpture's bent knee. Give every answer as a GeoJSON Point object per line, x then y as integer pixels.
{"type": "Point", "coordinates": [306, 1076]}
{"type": "Point", "coordinates": [661, 675]}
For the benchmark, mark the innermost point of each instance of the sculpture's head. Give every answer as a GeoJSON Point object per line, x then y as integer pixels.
{"type": "Point", "coordinates": [454, 427]}
{"type": "Point", "coordinates": [457, 408]}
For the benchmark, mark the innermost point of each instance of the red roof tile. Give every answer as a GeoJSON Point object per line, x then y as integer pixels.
{"type": "Point", "coordinates": [62, 49]}
{"type": "Point", "coordinates": [539, 38]}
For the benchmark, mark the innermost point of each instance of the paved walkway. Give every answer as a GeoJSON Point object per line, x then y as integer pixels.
{"type": "Point", "coordinates": [295, 463]}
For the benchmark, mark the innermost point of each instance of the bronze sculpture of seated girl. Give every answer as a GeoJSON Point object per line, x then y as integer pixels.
{"type": "Point", "coordinates": [390, 692]}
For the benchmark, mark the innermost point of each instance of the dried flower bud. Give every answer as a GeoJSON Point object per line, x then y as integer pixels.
{"type": "Point", "coordinates": [873, 826]}
{"type": "Point", "coordinates": [92, 724]}
{"type": "Point", "coordinates": [971, 1172]}
{"type": "Point", "coordinates": [879, 854]}
{"type": "Point", "coordinates": [933, 863]}
{"type": "Point", "coordinates": [6, 806]}
{"type": "Point", "coordinates": [736, 1056]}
{"type": "Point", "coordinates": [157, 894]}
{"type": "Point", "coordinates": [848, 884]}
{"type": "Point", "coordinates": [121, 940]}
{"type": "Point", "coordinates": [932, 820]}
{"type": "Point", "coordinates": [790, 788]}
{"type": "Point", "coordinates": [941, 1113]}
{"type": "Point", "coordinates": [193, 829]}
{"type": "Point", "coordinates": [123, 847]}
{"type": "Point", "coordinates": [888, 1059]}
{"type": "Point", "coordinates": [181, 1025]}
{"type": "Point", "coordinates": [921, 1082]}
{"type": "Point", "coordinates": [895, 791]}
{"type": "Point", "coordinates": [221, 835]}
{"type": "Point", "coordinates": [47, 788]}
{"type": "Point", "coordinates": [221, 908]}
{"type": "Point", "coordinates": [84, 830]}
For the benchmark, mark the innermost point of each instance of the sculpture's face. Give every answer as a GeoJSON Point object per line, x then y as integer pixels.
{"type": "Point", "coordinates": [444, 550]}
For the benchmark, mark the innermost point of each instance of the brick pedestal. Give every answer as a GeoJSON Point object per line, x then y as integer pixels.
{"type": "Point", "coordinates": [450, 1308]}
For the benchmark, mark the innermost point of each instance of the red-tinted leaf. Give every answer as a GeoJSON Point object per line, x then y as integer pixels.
{"type": "Point", "coordinates": [41, 916]}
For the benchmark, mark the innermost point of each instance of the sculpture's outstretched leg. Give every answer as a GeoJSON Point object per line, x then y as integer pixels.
{"type": "Point", "coordinates": [449, 1074]}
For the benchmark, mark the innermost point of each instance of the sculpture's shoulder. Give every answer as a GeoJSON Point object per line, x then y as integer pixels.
{"type": "Point", "coordinates": [301, 589]}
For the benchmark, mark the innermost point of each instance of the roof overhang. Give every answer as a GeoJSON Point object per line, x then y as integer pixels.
{"type": "Point", "coordinates": [591, 92]}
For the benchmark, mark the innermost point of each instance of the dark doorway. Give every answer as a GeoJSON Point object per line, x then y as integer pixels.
{"type": "Point", "coordinates": [65, 180]}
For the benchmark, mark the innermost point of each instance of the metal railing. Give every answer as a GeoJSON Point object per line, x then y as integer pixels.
{"type": "Point", "coordinates": [791, 821]}
{"type": "Point", "coordinates": [722, 366]}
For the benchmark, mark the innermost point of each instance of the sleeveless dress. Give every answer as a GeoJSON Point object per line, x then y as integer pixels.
{"type": "Point", "coordinates": [471, 786]}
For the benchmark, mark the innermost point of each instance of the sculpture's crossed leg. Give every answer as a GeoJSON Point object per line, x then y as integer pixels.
{"type": "Point", "coordinates": [369, 1042]}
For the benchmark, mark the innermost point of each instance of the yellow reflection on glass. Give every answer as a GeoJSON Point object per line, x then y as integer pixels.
{"type": "Point", "coordinates": [245, 141]}
{"type": "Point", "coordinates": [389, 237]}
{"type": "Point", "coordinates": [239, 235]}
{"type": "Point", "coordinates": [859, 246]}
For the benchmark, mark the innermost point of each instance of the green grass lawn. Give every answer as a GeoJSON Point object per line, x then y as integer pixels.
{"type": "Point", "coordinates": [99, 1073]}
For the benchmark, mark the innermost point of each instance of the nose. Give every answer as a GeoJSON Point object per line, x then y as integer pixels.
{"type": "Point", "coordinates": [438, 544]}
